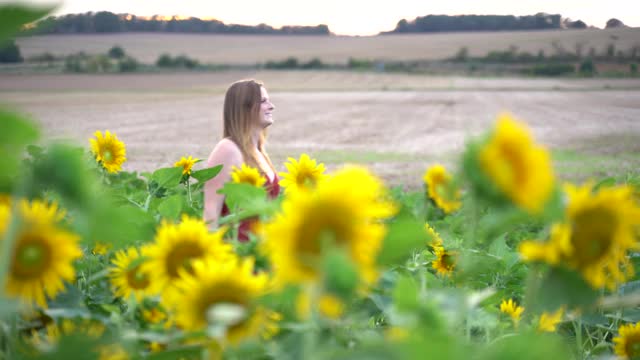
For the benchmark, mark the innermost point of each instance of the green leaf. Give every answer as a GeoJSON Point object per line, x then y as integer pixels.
{"type": "Point", "coordinates": [558, 287]}
{"type": "Point", "coordinates": [341, 276]}
{"type": "Point", "coordinates": [404, 236]}
{"type": "Point", "coordinates": [167, 177]}
{"type": "Point", "coordinates": [405, 294]}
{"type": "Point", "coordinates": [606, 182]}
{"type": "Point", "coordinates": [171, 207]}
{"type": "Point", "coordinates": [63, 169]}
{"type": "Point", "coordinates": [12, 17]}
{"type": "Point", "coordinates": [526, 346]}
{"type": "Point", "coordinates": [15, 129]}
{"type": "Point", "coordinates": [206, 174]}
{"type": "Point", "coordinates": [242, 196]}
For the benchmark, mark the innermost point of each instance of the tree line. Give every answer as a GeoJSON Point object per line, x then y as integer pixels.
{"type": "Point", "coordinates": [108, 22]}
{"type": "Point", "coordinates": [446, 23]}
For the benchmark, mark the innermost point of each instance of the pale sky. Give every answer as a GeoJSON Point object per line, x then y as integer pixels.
{"type": "Point", "coordinates": [353, 17]}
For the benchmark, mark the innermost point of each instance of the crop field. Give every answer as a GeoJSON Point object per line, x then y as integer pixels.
{"type": "Point", "coordinates": [249, 50]}
{"type": "Point", "coordinates": [396, 124]}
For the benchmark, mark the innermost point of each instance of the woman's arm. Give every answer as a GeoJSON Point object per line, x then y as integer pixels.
{"type": "Point", "coordinates": [228, 154]}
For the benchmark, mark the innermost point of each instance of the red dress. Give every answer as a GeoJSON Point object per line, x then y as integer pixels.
{"type": "Point", "coordinates": [273, 189]}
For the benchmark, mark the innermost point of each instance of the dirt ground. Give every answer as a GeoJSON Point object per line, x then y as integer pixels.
{"type": "Point", "coordinates": [397, 132]}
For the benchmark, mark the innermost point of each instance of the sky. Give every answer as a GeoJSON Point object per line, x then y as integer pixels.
{"type": "Point", "coordinates": [352, 17]}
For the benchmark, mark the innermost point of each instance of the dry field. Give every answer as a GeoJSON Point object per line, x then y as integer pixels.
{"type": "Point", "coordinates": [249, 49]}
{"type": "Point", "coordinates": [396, 124]}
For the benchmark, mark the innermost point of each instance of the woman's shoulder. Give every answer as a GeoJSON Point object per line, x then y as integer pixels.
{"type": "Point", "coordinates": [226, 150]}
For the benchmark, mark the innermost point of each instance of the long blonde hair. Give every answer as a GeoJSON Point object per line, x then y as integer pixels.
{"type": "Point", "coordinates": [240, 115]}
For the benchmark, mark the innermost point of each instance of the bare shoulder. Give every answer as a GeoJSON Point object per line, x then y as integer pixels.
{"type": "Point", "coordinates": [225, 152]}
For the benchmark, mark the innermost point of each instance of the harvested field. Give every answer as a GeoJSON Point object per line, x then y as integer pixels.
{"type": "Point", "coordinates": [591, 124]}
{"type": "Point", "coordinates": [252, 49]}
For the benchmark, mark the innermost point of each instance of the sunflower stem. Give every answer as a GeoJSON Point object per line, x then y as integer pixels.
{"type": "Point", "coordinates": [189, 192]}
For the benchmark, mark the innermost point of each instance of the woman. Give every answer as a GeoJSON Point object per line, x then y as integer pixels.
{"type": "Point", "coordinates": [248, 112]}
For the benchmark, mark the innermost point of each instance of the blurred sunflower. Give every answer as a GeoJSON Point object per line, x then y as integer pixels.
{"type": "Point", "coordinates": [598, 231]}
{"type": "Point", "coordinates": [212, 283]}
{"type": "Point", "coordinates": [328, 305]}
{"type": "Point", "coordinates": [108, 151]}
{"type": "Point", "coordinates": [435, 239]}
{"type": "Point", "coordinates": [176, 246]}
{"type": "Point", "coordinates": [445, 261]}
{"type": "Point", "coordinates": [128, 278]}
{"type": "Point", "coordinates": [519, 168]}
{"type": "Point", "coordinates": [247, 175]}
{"type": "Point", "coordinates": [100, 248]}
{"type": "Point", "coordinates": [53, 331]}
{"type": "Point", "coordinates": [302, 174]}
{"type": "Point", "coordinates": [43, 253]}
{"type": "Point", "coordinates": [441, 189]}
{"type": "Point", "coordinates": [345, 211]}
{"type": "Point", "coordinates": [186, 164]}
{"type": "Point", "coordinates": [549, 321]}
{"type": "Point", "coordinates": [512, 309]}
{"type": "Point", "coordinates": [628, 341]}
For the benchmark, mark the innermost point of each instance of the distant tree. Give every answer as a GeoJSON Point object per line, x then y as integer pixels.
{"type": "Point", "coordinates": [127, 64]}
{"type": "Point", "coordinates": [116, 52]}
{"type": "Point", "coordinates": [587, 67]}
{"type": "Point", "coordinates": [105, 22]}
{"type": "Point", "coordinates": [165, 60]}
{"type": "Point", "coordinates": [614, 23]}
{"type": "Point", "coordinates": [10, 53]}
{"type": "Point", "coordinates": [579, 24]}
{"type": "Point", "coordinates": [633, 68]}
{"type": "Point", "coordinates": [462, 54]}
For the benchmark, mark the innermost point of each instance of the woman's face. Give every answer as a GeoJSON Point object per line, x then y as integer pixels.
{"type": "Point", "coordinates": [266, 108]}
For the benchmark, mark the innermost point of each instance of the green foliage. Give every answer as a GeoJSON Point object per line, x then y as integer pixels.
{"type": "Point", "coordinates": [587, 67]}
{"type": "Point", "coordinates": [12, 17]}
{"type": "Point", "coordinates": [552, 69]}
{"type": "Point", "coordinates": [10, 53]}
{"type": "Point", "coordinates": [116, 52]}
{"type": "Point", "coordinates": [181, 61]}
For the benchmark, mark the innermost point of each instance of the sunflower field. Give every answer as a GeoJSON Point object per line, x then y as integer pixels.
{"type": "Point", "coordinates": [496, 259]}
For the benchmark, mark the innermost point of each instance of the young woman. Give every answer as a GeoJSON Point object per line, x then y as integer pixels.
{"type": "Point", "coordinates": [248, 112]}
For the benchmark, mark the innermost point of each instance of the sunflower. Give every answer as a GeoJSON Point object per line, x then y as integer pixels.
{"type": "Point", "coordinates": [445, 261]}
{"type": "Point", "coordinates": [512, 309]}
{"type": "Point", "coordinates": [43, 253]}
{"type": "Point", "coordinates": [176, 246]}
{"type": "Point", "coordinates": [212, 283]}
{"type": "Point", "coordinates": [128, 278]}
{"type": "Point", "coordinates": [344, 211]}
{"type": "Point", "coordinates": [436, 240]}
{"type": "Point", "coordinates": [302, 174]}
{"type": "Point", "coordinates": [598, 231]}
{"type": "Point", "coordinates": [549, 322]}
{"type": "Point", "coordinates": [329, 306]}
{"type": "Point", "coordinates": [100, 248]}
{"type": "Point", "coordinates": [441, 189]}
{"type": "Point", "coordinates": [519, 168]}
{"type": "Point", "coordinates": [628, 341]}
{"type": "Point", "coordinates": [52, 332]}
{"type": "Point", "coordinates": [247, 175]}
{"type": "Point", "coordinates": [186, 164]}
{"type": "Point", "coordinates": [108, 150]}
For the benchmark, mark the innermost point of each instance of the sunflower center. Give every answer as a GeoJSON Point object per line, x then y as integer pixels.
{"type": "Point", "coordinates": [514, 169]}
{"type": "Point", "coordinates": [182, 257]}
{"type": "Point", "coordinates": [32, 258]}
{"type": "Point", "coordinates": [137, 279]}
{"type": "Point", "coordinates": [448, 261]}
{"type": "Point", "coordinates": [633, 346]}
{"type": "Point", "coordinates": [224, 293]}
{"type": "Point", "coordinates": [592, 235]}
{"type": "Point", "coordinates": [107, 155]}
{"type": "Point", "coordinates": [305, 178]}
{"type": "Point", "coordinates": [330, 227]}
